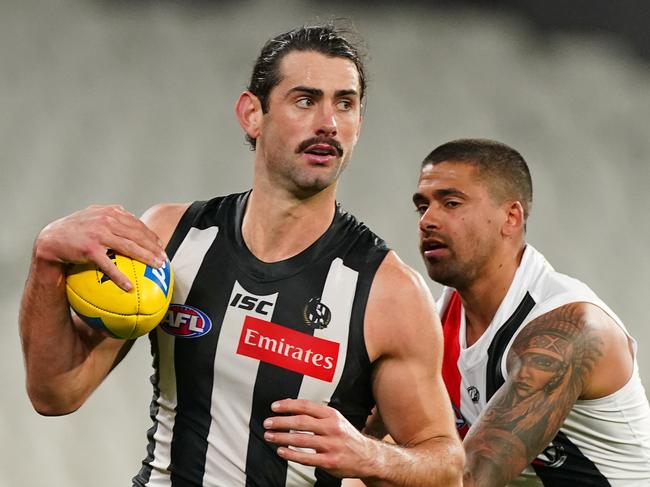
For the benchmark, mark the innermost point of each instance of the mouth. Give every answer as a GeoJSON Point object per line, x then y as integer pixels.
{"type": "Point", "coordinates": [432, 248]}
{"type": "Point", "coordinates": [320, 150]}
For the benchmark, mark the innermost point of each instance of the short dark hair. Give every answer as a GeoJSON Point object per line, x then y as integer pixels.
{"type": "Point", "coordinates": [332, 39]}
{"type": "Point", "coordinates": [506, 169]}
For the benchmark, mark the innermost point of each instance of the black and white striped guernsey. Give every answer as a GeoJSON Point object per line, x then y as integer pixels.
{"type": "Point", "coordinates": [241, 334]}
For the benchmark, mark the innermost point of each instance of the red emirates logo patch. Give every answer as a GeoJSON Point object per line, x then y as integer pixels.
{"type": "Point", "coordinates": [289, 349]}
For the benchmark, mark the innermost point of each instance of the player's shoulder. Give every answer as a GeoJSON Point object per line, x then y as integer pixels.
{"type": "Point", "coordinates": [401, 311]}
{"type": "Point", "coordinates": [165, 210]}
{"type": "Point", "coordinates": [577, 318]}
{"type": "Point", "coordinates": [395, 277]}
{"type": "Point", "coordinates": [162, 218]}
{"type": "Point", "coordinates": [587, 337]}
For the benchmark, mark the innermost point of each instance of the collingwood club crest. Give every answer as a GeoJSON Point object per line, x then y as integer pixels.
{"type": "Point", "coordinates": [316, 314]}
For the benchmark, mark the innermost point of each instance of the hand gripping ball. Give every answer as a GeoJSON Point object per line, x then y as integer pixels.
{"type": "Point", "coordinates": [103, 305]}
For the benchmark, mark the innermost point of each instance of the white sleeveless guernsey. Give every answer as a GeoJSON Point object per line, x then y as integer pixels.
{"type": "Point", "coordinates": [602, 442]}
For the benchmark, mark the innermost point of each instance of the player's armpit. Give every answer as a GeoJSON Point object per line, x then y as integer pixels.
{"type": "Point", "coordinates": [375, 426]}
{"type": "Point", "coordinates": [550, 364]}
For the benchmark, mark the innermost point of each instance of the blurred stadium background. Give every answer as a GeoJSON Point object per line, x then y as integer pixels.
{"type": "Point", "coordinates": [131, 102]}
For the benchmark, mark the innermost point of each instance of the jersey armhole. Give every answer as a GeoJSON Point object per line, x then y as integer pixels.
{"type": "Point", "coordinates": [183, 226]}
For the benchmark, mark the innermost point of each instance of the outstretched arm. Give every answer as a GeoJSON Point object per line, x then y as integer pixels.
{"type": "Point", "coordinates": [404, 342]}
{"type": "Point", "coordinates": [65, 360]}
{"type": "Point", "coordinates": [572, 352]}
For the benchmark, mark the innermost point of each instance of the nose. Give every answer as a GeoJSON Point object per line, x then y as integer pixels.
{"type": "Point", "coordinates": [326, 125]}
{"type": "Point", "coordinates": [428, 220]}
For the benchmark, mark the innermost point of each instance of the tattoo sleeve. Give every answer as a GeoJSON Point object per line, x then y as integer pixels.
{"type": "Point", "coordinates": [548, 365]}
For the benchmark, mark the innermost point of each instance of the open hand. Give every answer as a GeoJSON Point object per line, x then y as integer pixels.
{"type": "Point", "coordinates": [319, 436]}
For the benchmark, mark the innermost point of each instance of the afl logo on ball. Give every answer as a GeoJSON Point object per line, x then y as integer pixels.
{"type": "Point", "coordinates": [186, 322]}
{"type": "Point", "coordinates": [316, 314]}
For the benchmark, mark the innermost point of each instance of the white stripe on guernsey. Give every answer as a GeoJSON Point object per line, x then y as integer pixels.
{"type": "Point", "coordinates": [338, 296]}
{"type": "Point", "coordinates": [186, 263]}
{"type": "Point", "coordinates": [234, 376]}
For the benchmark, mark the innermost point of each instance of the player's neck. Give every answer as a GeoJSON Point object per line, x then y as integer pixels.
{"type": "Point", "coordinates": [482, 298]}
{"type": "Point", "coordinates": [277, 226]}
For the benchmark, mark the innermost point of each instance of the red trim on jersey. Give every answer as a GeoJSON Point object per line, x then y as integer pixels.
{"type": "Point", "coordinates": [450, 372]}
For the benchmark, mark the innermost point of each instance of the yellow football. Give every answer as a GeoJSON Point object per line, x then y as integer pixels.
{"type": "Point", "coordinates": [103, 305]}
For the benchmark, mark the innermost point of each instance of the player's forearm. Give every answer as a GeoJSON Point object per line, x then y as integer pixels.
{"type": "Point", "coordinates": [52, 347]}
{"type": "Point", "coordinates": [482, 472]}
{"type": "Point", "coordinates": [435, 462]}
{"type": "Point", "coordinates": [494, 457]}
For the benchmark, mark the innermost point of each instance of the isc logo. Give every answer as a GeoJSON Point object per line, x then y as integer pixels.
{"type": "Point", "coordinates": [250, 303]}
{"type": "Point", "coordinates": [186, 322]}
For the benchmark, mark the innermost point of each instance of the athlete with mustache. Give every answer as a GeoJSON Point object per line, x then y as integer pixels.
{"type": "Point", "coordinates": [307, 319]}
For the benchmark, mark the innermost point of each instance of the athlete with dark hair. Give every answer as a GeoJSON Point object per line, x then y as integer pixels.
{"type": "Point", "coordinates": [330, 40]}
{"type": "Point", "coordinates": [301, 318]}
{"type": "Point", "coordinates": [539, 369]}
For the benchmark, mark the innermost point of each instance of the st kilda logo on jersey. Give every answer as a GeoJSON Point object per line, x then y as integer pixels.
{"type": "Point", "coordinates": [474, 394]}
{"type": "Point", "coordinates": [553, 456]}
{"type": "Point", "coordinates": [316, 314]}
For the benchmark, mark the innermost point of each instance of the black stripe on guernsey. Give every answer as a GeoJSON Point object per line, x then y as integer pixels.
{"type": "Point", "coordinates": [145, 473]}
{"type": "Point", "coordinates": [263, 466]}
{"type": "Point", "coordinates": [183, 226]}
{"type": "Point", "coordinates": [194, 384]}
{"type": "Point", "coordinates": [330, 281]}
{"type": "Point", "coordinates": [569, 467]}
{"type": "Point", "coordinates": [356, 375]}
{"type": "Point", "coordinates": [494, 378]}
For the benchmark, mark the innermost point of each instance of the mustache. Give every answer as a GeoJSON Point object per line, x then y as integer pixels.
{"type": "Point", "coordinates": [432, 235]}
{"type": "Point", "coordinates": [320, 140]}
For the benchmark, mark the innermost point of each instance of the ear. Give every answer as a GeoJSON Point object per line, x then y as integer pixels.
{"type": "Point", "coordinates": [249, 113]}
{"type": "Point", "coordinates": [514, 221]}
{"type": "Point", "coordinates": [360, 125]}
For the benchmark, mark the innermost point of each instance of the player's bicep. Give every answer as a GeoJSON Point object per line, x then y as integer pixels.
{"type": "Point", "coordinates": [405, 340]}
{"type": "Point", "coordinates": [412, 401]}
{"type": "Point", "coordinates": [548, 365]}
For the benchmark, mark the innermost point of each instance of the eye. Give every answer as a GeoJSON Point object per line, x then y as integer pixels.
{"type": "Point", "coordinates": [451, 204]}
{"type": "Point", "coordinates": [421, 209]}
{"type": "Point", "coordinates": [304, 102]}
{"type": "Point", "coordinates": [344, 105]}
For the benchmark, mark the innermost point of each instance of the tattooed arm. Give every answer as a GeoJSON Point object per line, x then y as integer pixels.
{"type": "Point", "coordinates": [573, 352]}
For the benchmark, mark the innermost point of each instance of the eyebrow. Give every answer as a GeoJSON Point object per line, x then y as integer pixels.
{"type": "Point", "coordinates": [341, 93]}
{"type": "Point", "coordinates": [439, 193]}
{"type": "Point", "coordinates": [316, 92]}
